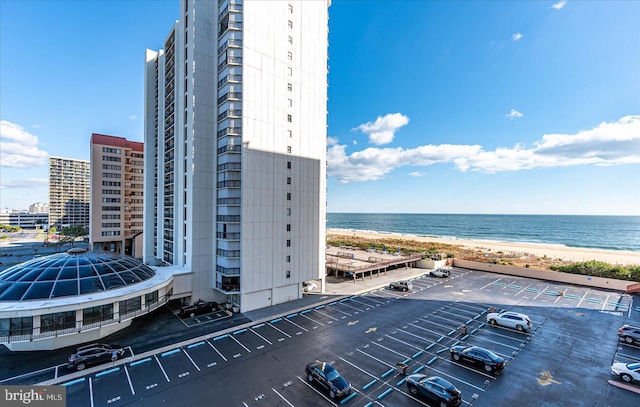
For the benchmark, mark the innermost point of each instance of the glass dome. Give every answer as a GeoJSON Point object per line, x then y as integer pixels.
{"type": "Point", "coordinates": [75, 272]}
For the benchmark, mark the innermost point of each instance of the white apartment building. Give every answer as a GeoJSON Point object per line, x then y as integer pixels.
{"type": "Point", "coordinates": [69, 192]}
{"type": "Point", "coordinates": [235, 150]}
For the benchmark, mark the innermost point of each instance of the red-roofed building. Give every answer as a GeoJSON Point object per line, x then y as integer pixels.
{"type": "Point", "coordinates": [116, 213]}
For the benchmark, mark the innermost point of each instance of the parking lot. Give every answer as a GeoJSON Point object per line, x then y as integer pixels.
{"type": "Point", "coordinates": [564, 360]}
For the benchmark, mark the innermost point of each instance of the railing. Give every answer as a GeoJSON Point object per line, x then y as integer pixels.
{"type": "Point", "coordinates": [36, 333]}
{"type": "Point", "coordinates": [230, 288]}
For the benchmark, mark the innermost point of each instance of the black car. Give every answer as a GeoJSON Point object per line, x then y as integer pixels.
{"type": "Point", "coordinates": [94, 354]}
{"type": "Point", "coordinates": [435, 389]}
{"type": "Point", "coordinates": [198, 308]}
{"type": "Point", "coordinates": [479, 357]}
{"type": "Point", "coordinates": [630, 334]}
{"type": "Point", "coordinates": [329, 378]}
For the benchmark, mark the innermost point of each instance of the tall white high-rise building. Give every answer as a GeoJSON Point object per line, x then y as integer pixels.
{"type": "Point", "coordinates": [235, 149]}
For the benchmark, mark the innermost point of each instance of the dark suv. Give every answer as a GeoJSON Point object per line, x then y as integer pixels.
{"type": "Point", "coordinates": [629, 334]}
{"type": "Point", "coordinates": [198, 308]}
{"type": "Point", "coordinates": [94, 354]}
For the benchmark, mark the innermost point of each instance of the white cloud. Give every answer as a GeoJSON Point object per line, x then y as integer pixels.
{"type": "Point", "coordinates": [19, 148]}
{"type": "Point", "coordinates": [332, 141]}
{"type": "Point", "coordinates": [417, 174]}
{"type": "Point", "coordinates": [28, 183]}
{"type": "Point", "coordinates": [513, 114]}
{"type": "Point", "coordinates": [516, 37]}
{"type": "Point", "coordinates": [615, 143]}
{"type": "Point", "coordinates": [133, 117]}
{"type": "Point", "coordinates": [559, 4]}
{"type": "Point", "coordinates": [355, 142]}
{"type": "Point", "coordinates": [383, 130]}
{"type": "Point", "coordinates": [37, 126]}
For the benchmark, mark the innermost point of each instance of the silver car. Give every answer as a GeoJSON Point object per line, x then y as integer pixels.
{"type": "Point", "coordinates": [510, 319]}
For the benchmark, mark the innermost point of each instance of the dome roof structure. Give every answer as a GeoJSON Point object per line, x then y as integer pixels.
{"type": "Point", "coordinates": [73, 273]}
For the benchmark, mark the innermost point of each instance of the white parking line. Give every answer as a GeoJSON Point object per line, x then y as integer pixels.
{"type": "Point", "coordinates": [493, 282]}
{"type": "Point", "coordinates": [604, 304]}
{"type": "Point", "coordinates": [238, 342]}
{"type": "Point", "coordinates": [403, 342]}
{"type": "Point", "coordinates": [282, 397]}
{"type": "Point", "coordinates": [162, 368]}
{"type": "Point", "coordinates": [429, 330]}
{"type": "Point", "coordinates": [217, 351]}
{"type": "Point", "coordinates": [311, 319]}
{"type": "Point", "coordinates": [480, 338]}
{"type": "Point", "coordinates": [326, 315]}
{"type": "Point", "coordinates": [91, 391]}
{"type": "Point", "coordinates": [293, 323]}
{"type": "Point", "coordinates": [279, 330]}
{"type": "Point", "coordinates": [314, 389]}
{"type": "Point", "coordinates": [263, 338]}
{"type": "Point", "coordinates": [194, 363]}
{"type": "Point", "coordinates": [519, 292]}
{"type": "Point", "coordinates": [129, 379]}
{"type": "Point", "coordinates": [541, 292]}
{"type": "Point", "coordinates": [582, 299]}
{"type": "Point", "coordinates": [404, 357]}
{"type": "Point", "coordinates": [359, 368]}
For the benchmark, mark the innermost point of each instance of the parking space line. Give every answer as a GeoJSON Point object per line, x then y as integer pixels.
{"type": "Point", "coordinates": [498, 343]}
{"type": "Point", "coordinates": [524, 289]}
{"type": "Point", "coordinates": [451, 313]}
{"type": "Point", "coordinates": [376, 359]}
{"type": "Point", "coordinates": [605, 303]}
{"type": "Point", "coordinates": [540, 293]}
{"type": "Point", "coordinates": [238, 342]}
{"type": "Point", "coordinates": [281, 331]}
{"type": "Point", "coordinates": [363, 371]}
{"type": "Point", "coordinates": [326, 315]}
{"type": "Point", "coordinates": [91, 392]}
{"type": "Point", "coordinates": [406, 343]}
{"type": "Point", "coordinates": [217, 351]}
{"type": "Point", "coordinates": [483, 287]}
{"type": "Point", "coordinates": [263, 338]}
{"type": "Point", "coordinates": [293, 323]}
{"type": "Point", "coordinates": [372, 298]}
{"type": "Point", "coordinates": [189, 356]}
{"type": "Point", "coordinates": [282, 397]}
{"type": "Point", "coordinates": [405, 357]}
{"type": "Point", "coordinates": [316, 390]}
{"type": "Point", "coordinates": [429, 330]}
{"type": "Point", "coordinates": [129, 379]}
{"type": "Point", "coordinates": [162, 368]}
{"type": "Point", "coordinates": [350, 306]}
{"type": "Point", "coordinates": [436, 324]}
{"type": "Point", "coordinates": [582, 299]}
{"type": "Point", "coordinates": [339, 310]}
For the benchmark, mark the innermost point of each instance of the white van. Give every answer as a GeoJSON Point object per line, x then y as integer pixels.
{"type": "Point", "coordinates": [441, 272]}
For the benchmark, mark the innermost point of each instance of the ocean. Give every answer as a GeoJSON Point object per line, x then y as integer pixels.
{"type": "Point", "coordinates": [596, 232]}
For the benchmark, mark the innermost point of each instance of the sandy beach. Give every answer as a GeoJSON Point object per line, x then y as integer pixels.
{"type": "Point", "coordinates": [570, 254]}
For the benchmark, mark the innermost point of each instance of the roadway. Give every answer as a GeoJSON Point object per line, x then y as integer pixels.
{"type": "Point", "coordinates": [565, 360]}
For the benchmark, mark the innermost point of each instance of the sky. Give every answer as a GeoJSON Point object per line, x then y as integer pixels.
{"type": "Point", "coordinates": [493, 107]}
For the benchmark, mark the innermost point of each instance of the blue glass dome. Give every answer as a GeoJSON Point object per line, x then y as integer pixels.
{"type": "Point", "coordinates": [75, 272]}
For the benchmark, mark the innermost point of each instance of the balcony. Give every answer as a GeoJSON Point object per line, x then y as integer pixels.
{"type": "Point", "coordinates": [228, 287]}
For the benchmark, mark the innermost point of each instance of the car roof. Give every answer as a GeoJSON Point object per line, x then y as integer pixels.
{"type": "Point", "coordinates": [442, 382]}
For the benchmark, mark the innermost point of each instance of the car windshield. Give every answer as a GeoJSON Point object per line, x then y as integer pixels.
{"type": "Point", "coordinates": [331, 373]}
{"type": "Point", "coordinates": [633, 366]}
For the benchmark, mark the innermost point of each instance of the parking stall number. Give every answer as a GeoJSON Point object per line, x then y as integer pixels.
{"type": "Point", "coordinates": [183, 374]}
{"type": "Point", "coordinates": [113, 400]}
{"type": "Point", "coordinates": [151, 386]}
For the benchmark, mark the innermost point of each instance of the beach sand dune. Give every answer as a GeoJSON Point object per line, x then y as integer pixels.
{"type": "Point", "coordinates": [566, 254]}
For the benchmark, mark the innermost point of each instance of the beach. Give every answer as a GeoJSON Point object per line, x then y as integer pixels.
{"type": "Point", "coordinates": [564, 253]}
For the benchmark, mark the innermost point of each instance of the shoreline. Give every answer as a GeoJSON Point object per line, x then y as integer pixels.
{"type": "Point", "coordinates": [566, 253]}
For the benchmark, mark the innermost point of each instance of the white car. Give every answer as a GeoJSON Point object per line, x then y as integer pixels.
{"type": "Point", "coordinates": [308, 286]}
{"type": "Point", "coordinates": [441, 272]}
{"type": "Point", "coordinates": [628, 372]}
{"type": "Point", "coordinates": [510, 319]}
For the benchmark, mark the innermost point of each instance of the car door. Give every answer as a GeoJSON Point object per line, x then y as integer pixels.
{"type": "Point", "coordinates": [471, 358]}
{"type": "Point", "coordinates": [426, 389]}
{"type": "Point", "coordinates": [319, 376]}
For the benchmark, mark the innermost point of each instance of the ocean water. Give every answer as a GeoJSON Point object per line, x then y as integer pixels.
{"type": "Point", "coordinates": [598, 232]}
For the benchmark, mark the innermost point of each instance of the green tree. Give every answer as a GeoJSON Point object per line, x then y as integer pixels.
{"type": "Point", "coordinates": [70, 233]}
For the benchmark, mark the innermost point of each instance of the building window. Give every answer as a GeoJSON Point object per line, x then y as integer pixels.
{"type": "Point", "coordinates": [290, 102]}
{"type": "Point", "coordinates": [57, 321]}
{"type": "Point", "coordinates": [288, 211]}
{"type": "Point", "coordinates": [288, 227]}
{"type": "Point", "coordinates": [130, 305]}
{"type": "Point", "coordinates": [290, 23]}
{"type": "Point", "coordinates": [289, 87]}
{"type": "Point", "coordinates": [289, 149]}
{"type": "Point", "coordinates": [288, 165]}
{"type": "Point", "coordinates": [288, 274]}
{"type": "Point", "coordinates": [151, 298]}
{"type": "Point", "coordinates": [288, 243]}
{"type": "Point", "coordinates": [289, 118]}
{"type": "Point", "coordinates": [288, 258]}
{"type": "Point", "coordinates": [289, 55]}
{"type": "Point", "coordinates": [290, 40]}
{"type": "Point", "coordinates": [290, 8]}
{"type": "Point", "coordinates": [97, 314]}
{"type": "Point", "coordinates": [16, 326]}
{"type": "Point", "coordinates": [288, 180]}
{"type": "Point", "coordinates": [290, 71]}
{"type": "Point", "coordinates": [290, 133]}
{"type": "Point", "coordinates": [288, 196]}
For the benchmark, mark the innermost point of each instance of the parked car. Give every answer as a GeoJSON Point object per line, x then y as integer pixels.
{"type": "Point", "coordinates": [329, 378]}
{"type": "Point", "coordinates": [94, 354]}
{"type": "Point", "coordinates": [401, 285]}
{"type": "Point", "coordinates": [628, 372]}
{"type": "Point", "coordinates": [479, 357]}
{"type": "Point", "coordinates": [198, 308]}
{"type": "Point", "coordinates": [435, 389]}
{"type": "Point", "coordinates": [441, 272]}
{"type": "Point", "coordinates": [630, 334]}
{"type": "Point", "coordinates": [308, 286]}
{"type": "Point", "coordinates": [510, 319]}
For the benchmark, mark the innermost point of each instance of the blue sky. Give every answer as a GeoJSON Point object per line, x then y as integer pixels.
{"type": "Point", "coordinates": [434, 107]}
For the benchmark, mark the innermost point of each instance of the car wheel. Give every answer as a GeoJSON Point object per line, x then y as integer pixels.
{"type": "Point", "coordinates": [310, 378]}
{"type": "Point", "coordinates": [456, 356]}
{"type": "Point", "coordinates": [80, 366]}
{"type": "Point", "coordinates": [444, 404]}
{"type": "Point", "coordinates": [332, 394]}
{"type": "Point", "coordinates": [404, 289]}
{"type": "Point", "coordinates": [413, 390]}
{"type": "Point", "coordinates": [488, 368]}
{"type": "Point", "coordinates": [492, 321]}
{"type": "Point", "coordinates": [192, 314]}
{"type": "Point", "coordinates": [519, 328]}
{"type": "Point", "coordinates": [628, 339]}
{"type": "Point", "coordinates": [213, 309]}
{"type": "Point", "coordinates": [626, 378]}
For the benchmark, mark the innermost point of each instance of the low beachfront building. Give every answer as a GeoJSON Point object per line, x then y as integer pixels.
{"type": "Point", "coordinates": [74, 297]}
